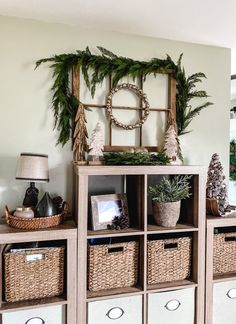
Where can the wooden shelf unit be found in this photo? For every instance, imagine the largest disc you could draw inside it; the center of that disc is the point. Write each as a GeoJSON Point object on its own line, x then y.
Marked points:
{"type": "Point", "coordinates": [134, 181]}
{"type": "Point", "coordinates": [212, 223]}
{"type": "Point", "coordinates": [66, 232]}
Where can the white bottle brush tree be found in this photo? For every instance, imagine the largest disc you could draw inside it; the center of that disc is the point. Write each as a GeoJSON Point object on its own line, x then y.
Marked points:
{"type": "Point", "coordinates": [171, 145]}
{"type": "Point", "coordinates": [216, 185]}
{"type": "Point", "coordinates": [96, 146]}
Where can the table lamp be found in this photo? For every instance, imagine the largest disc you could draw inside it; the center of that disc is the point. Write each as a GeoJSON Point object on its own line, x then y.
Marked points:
{"type": "Point", "coordinates": [32, 167]}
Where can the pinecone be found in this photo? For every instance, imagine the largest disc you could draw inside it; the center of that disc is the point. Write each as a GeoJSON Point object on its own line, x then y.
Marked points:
{"type": "Point", "coordinates": [58, 202]}
{"type": "Point", "coordinates": [119, 222]}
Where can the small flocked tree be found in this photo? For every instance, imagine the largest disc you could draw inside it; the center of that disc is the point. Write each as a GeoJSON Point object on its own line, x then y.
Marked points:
{"type": "Point", "coordinates": [80, 135]}
{"type": "Point", "coordinates": [171, 145]}
{"type": "Point", "coordinates": [216, 185]}
{"type": "Point", "coordinates": [97, 143]}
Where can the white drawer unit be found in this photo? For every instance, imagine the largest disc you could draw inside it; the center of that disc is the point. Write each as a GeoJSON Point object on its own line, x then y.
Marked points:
{"type": "Point", "coordinates": [41, 315]}
{"type": "Point", "coordinates": [172, 307]}
{"type": "Point", "coordinates": [224, 302]}
{"type": "Point", "coordinates": [125, 310]}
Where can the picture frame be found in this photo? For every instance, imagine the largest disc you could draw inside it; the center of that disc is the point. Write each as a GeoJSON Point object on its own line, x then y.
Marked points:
{"type": "Point", "coordinates": [105, 207]}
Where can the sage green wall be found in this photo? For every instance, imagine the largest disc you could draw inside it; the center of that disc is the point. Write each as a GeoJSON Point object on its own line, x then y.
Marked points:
{"type": "Point", "coordinates": [26, 121]}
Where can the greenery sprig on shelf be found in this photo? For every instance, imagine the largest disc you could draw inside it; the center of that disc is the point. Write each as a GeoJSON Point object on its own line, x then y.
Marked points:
{"type": "Point", "coordinates": [171, 189]}
{"type": "Point", "coordinates": [136, 158]}
{"type": "Point", "coordinates": [95, 68]}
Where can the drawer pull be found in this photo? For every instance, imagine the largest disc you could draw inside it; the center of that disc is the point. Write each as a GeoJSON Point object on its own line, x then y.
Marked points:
{"type": "Point", "coordinates": [115, 313]}
{"type": "Point", "coordinates": [231, 293]}
{"type": "Point", "coordinates": [35, 320]}
{"type": "Point", "coordinates": [172, 305]}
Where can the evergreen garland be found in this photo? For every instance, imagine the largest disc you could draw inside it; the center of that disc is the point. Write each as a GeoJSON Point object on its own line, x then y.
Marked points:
{"type": "Point", "coordinates": [95, 68]}
{"type": "Point", "coordinates": [136, 158]}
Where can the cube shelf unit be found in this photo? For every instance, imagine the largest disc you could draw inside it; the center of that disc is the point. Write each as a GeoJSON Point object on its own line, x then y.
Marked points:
{"type": "Point", "coordinates": [66, 232]}
{"type": "Point", "coordinates": [134, 182]}
{"type": "Point", "coordinates": [211, 224]}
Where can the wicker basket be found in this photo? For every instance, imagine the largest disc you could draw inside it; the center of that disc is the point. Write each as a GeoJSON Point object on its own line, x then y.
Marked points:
{"type": "Point", "coordinates": [169, 260]}
{"type": "Point", "coordinates": [224, 253]}
{"type": "Point", "coordinates": [27, 277]}
{"type": "Point", "coordinates": [36, 222]}
{"type": "Point", "coordinates": [112, 265]}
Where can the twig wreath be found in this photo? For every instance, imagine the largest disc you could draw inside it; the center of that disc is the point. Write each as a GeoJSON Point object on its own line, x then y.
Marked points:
{"type": "Point", "coordinates": [95, 68]}
{"type": "Point", "coordinates": [143, 97]}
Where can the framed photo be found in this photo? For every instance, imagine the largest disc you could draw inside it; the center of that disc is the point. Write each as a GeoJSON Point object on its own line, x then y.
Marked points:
{"type": "Point", "coordinates": [106, 207]}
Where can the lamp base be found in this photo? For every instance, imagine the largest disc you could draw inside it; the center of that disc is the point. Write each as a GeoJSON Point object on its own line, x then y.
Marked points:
{"type": "Point", "coordinates": [31, 196]}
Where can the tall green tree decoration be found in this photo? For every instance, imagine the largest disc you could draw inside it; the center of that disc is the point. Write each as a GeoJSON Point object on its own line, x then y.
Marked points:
{"type": "Point", "coordinates": [96, 68]}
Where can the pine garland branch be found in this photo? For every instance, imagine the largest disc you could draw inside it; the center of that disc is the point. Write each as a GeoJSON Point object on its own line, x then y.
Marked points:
{"type": "Point", "coordinates": [128, 158]}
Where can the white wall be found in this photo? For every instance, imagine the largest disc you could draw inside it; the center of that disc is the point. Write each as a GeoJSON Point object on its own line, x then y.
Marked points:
{"type": "Point", "coordinates": [26, 121]}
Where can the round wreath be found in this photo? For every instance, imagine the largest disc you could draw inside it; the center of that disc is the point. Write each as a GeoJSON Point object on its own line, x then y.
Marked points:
{"type": "Point", "coordinates": [140, 93]}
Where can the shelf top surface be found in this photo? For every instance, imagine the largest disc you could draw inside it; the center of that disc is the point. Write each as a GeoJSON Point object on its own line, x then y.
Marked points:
{"type": "Point", "coordinates": [66, 230]}
{"type": "Point", "coordinates": [138, 169]}
{"type": "Point", "coordinates": [218, 221]}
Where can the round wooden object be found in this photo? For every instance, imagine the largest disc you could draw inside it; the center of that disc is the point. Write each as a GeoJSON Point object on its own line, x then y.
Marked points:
{"type": "Point", "coordinates": [140, 93]}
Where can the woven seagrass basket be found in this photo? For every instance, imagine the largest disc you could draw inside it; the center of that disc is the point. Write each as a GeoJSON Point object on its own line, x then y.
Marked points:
{"type": "Point", "coordinates": [28, 276]}
{"type": "Point", "coordinates": [224, 253]}
{"type": "Point", "coordinates": [112, 265]}
{"type": "Point", "coordinates": [36, 222]}
{"type": "Point", "coordinates": [169, 260]}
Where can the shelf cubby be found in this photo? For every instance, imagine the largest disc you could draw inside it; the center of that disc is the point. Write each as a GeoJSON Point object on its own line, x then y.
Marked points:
{"type": "Point", "coordinates": [189, 207]}
{"type": "Point", "coordinates": [139, 286]}
{"type": "Point", "coordinates": [131, 185]}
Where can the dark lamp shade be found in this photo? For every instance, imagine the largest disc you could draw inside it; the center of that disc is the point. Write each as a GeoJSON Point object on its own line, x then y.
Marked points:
{"type": "Point", "coordinates": [32, 167]}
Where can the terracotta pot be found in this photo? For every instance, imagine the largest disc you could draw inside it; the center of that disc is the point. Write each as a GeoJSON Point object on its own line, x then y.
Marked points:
{"type": "Point", "coordinates": [166, 214]}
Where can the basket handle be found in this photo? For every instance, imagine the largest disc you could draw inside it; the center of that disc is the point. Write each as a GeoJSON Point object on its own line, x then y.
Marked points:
{"type": "Point", "coordinates": [115, 249]}
{"type": "Point", "coordinates": [7, 213]}
{"type": "Point", "coordinates": [172, 246]}
{"type": "Point", "coordinates": [230, 237]}
{"type": "Point", "coordinates": [31, 320]}
{"type": "Point", "coordinates": [231, 293]}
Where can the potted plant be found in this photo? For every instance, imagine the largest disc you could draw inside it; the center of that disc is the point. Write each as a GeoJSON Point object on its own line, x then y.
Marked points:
{"type": "Point", "coordinates": [166, 199]}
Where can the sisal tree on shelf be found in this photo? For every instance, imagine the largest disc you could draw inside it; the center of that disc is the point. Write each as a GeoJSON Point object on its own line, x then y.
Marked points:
{"type": "Point", "coordinates": [96, 146]}
{"type": "Point", "coordinates": [216, 187]}
{"type": "Point", "coordinates": [80, 136]}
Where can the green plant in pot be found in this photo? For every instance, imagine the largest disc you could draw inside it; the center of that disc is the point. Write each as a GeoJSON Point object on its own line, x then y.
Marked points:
{"type": "Point", "coordinates": [166, 199]}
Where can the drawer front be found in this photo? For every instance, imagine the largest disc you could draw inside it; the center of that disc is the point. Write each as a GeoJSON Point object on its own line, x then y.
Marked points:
{"type": "Point", "coordinates": [44, 315]}
{"type": "Point", "coordinates": [224, 302]}
{"type": "Point", "coordinates": [172, 307]}
{"type": "Point", "coordinates": [125, 310]}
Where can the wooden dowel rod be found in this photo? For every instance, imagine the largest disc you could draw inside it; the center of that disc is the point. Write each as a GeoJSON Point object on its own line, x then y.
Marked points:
{"type": "Point", "coordinates": [124, 107]}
